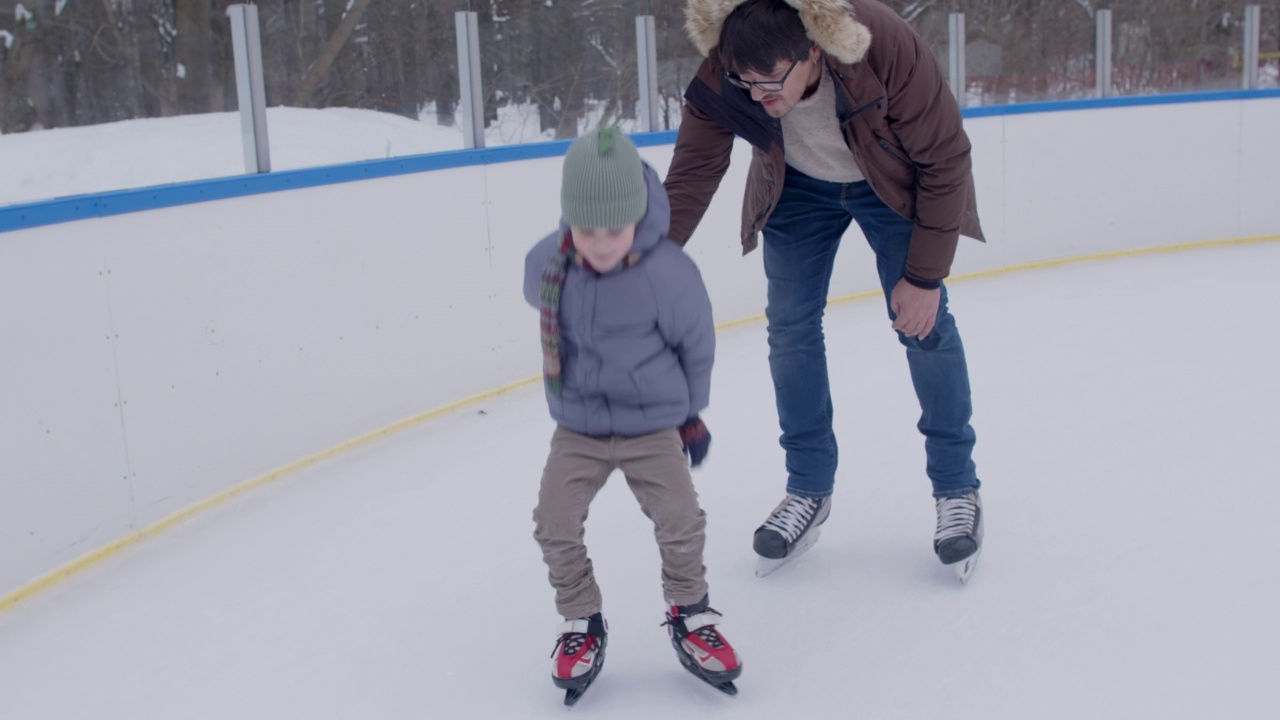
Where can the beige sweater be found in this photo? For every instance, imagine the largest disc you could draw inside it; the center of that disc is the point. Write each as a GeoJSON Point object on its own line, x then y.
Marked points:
{"type": "Point", "coordinates": [813, 141]}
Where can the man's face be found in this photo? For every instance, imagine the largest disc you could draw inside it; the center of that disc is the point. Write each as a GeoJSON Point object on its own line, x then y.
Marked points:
{"type": "Point", "coordinates": [604, 248]}
{"type": "Point", "coordinates": [785, 84]}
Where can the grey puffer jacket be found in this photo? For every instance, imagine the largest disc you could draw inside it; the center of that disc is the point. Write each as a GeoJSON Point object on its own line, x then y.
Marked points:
{"type": "Point", "coordinates": [637, 344]}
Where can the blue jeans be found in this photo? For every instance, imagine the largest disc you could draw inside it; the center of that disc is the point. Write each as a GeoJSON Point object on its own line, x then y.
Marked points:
{"type": "Point", "coordinates": [800, 243]}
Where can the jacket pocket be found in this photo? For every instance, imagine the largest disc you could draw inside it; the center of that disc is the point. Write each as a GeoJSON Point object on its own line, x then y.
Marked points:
{"type": "Point", "coordinates": [895, 153]}
{"type": "Point", "coordinates": [661, 386]}
{"type": "Point", "coordinates": [893, 161]}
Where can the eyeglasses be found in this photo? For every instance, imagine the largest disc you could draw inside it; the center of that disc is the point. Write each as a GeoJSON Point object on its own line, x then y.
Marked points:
{"type": "Point", "coordinates": [762, 85]}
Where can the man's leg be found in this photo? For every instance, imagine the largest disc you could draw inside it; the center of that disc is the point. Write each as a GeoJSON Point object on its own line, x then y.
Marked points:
{"type": "Point", "coordinates": [938, 369]}
{"type": "Point", "coordinates": [800, 244]}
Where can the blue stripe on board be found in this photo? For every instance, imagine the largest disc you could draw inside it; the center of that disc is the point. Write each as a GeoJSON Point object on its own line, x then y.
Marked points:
{"type": "Point", "coordinates": [80, 207]}
{"type": "Point", "coordinates": [1116, 102]}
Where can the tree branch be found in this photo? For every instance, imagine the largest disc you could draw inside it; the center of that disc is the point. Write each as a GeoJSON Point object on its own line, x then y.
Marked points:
{"type": "Point", "coordinates": [302, 96]}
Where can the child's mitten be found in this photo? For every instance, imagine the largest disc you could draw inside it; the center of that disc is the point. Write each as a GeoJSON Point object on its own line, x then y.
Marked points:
{"type": "Point", "coordinates": [696, 439]}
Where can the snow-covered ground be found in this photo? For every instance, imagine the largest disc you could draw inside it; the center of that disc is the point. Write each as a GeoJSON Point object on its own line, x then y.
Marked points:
{"type": "Point", "coordinates": [1125, 418]}
{"type": "Point", "coordinates": [44, 164]}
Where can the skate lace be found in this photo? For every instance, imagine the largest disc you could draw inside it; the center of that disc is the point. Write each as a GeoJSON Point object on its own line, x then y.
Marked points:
{"type": "Point", "coordinates": [792, 518]}
{"type": "Point", "coordinates": [956, 517]}
{"type": "Point", "coordinates": [707, 632]}
{"type": "Point", "coordinates": [710, 636]}
{"type": "Point", "coordinates": [570, 643]}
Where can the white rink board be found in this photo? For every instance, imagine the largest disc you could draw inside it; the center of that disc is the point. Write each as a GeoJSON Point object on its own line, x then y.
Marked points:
{"type": "Point", "coordinates": [157, 359]}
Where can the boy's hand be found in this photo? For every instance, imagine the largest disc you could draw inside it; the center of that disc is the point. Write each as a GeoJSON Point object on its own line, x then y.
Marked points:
{"type": "Point", "coordinates": [696, 439]}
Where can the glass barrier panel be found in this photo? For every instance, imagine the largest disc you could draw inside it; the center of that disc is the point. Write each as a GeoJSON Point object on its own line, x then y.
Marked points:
{"type": "Point", "coordinates": [1269, 47]}
{"type": "Point", "coordinates": [678, 62]}
{"type": "Point", "coordinates": [119, 94]}
{"type": "Point", "coordinates": [353, 80]}
{"type": "Point", "coordinates": [1013, 53]}
{"type": "Point", "coordinates": [113, 95]}
{"type": "Point", "coordinates": [554, 70]}
{"type": "Point", "coordinates": [1046, 53]}
{"type": "Point", "coordinates": [559, 69]}
{"type": "Point", "coordinates": [1171, 46]}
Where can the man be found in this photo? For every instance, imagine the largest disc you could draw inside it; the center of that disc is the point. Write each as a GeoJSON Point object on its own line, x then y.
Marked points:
{"type": "Point", "coordinates": [850, 120]}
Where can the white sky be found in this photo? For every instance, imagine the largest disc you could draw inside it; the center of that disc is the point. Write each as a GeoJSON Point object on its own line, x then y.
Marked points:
{"type": "Point", "coordinates": [1125, 413]}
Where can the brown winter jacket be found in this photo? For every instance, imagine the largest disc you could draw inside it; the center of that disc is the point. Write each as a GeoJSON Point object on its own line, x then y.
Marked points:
{"type": "Point", "coordinates": [900, 120]}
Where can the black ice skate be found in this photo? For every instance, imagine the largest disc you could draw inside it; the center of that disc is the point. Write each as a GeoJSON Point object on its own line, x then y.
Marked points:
{"type": "Point", "coordinates": [792, 528]}
{"type": "Point", "coordinates": [958, 537]}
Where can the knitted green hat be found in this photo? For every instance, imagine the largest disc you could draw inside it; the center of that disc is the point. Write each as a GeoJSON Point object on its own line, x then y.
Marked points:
{"type": "Point", "coordinates": [603, 184]}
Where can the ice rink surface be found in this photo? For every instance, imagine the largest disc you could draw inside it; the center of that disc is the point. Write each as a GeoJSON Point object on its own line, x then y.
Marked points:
{"type": "Point", "coordinates": [1127, 434]}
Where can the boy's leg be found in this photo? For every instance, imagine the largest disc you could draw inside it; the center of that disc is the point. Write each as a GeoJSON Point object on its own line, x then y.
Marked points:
{"type": "Point", "coordinates": [576, 469]}
{"type": "Point", "coordinates": [800, 243]}
{"type": "Point", "coordinates": [658, 474]}
{"type": "Point", "coordinates": [938, 368]}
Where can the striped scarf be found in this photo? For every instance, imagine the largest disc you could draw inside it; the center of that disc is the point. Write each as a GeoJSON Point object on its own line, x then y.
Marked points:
{"type": "Point", "coordinates": [553, 277]}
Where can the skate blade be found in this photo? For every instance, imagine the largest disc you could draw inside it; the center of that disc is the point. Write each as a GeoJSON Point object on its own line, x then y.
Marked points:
{"type": "Point", "coordinates": [767, 566]}
{"type": "Point", "coordinates": [964, 569]}
{"type": "Point", "coordinates": [579, 687]}
{"type": "Point", "coordinates": [572, 695]}
{"type": "Point", "coordinates": [728, 688]}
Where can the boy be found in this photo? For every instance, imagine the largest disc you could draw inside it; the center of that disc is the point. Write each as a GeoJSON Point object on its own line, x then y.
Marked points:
{"type": "Point", "coordinates": [628, 344]}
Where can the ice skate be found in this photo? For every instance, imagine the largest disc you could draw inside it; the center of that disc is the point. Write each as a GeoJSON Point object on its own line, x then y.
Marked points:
{"type": "Point", "coordinates": [791, 529]}
{"type": "Point", "coordinates": [578, 655]}
{"type": "Point", "coordinates": [701, 648]}
{"type": "Point", "coordinates": [958, 537]}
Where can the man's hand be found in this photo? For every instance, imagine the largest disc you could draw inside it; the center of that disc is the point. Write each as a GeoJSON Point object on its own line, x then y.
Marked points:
{"type": "Point", "coordinates": [916, 308]}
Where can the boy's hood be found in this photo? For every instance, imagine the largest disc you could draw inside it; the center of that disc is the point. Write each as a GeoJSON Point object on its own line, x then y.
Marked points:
{"type": "Point", "coordinates": [655, 223]}
{"type": "Point", "coordinates": [830, 23]}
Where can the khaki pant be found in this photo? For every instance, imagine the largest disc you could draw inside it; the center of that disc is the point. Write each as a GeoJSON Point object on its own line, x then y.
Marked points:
{"type": "Point", "coordinates": [657, 472]}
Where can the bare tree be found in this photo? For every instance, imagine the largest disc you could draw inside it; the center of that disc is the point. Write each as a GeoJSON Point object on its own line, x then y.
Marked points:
{"type": "Point", "coordinates": [302, 96]}
{"type": "Point", "coordinates": [195, 88]}
{"type": "Point", "coordinates": [78, 62]}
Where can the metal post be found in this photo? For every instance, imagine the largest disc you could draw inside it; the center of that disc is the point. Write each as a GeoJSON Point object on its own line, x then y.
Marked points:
{"type": "Point", "coordinates": [955, 55]}
{"type": "Point", "coordinates": [1102, 54]}
{"type": "Point", "coordinates": [647, 69]}
{"type": "Point", "coordinates": [472, 103]}
{"type": "Point", "coordinates": [246, 45]}
{"type": "Point", "coordinates": [1252, 31]}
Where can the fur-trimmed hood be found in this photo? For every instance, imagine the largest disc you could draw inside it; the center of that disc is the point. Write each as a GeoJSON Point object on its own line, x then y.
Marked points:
{"type": "Point", "coordinates": [830, 24]}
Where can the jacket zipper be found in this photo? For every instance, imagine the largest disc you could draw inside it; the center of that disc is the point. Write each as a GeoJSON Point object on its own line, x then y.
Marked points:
{"type": "Point", "coordinates": [874, 103]}
{"type": "Point", "coordinates": [889, 149]}
{"type": "Point", "coordinates": [883, 143]}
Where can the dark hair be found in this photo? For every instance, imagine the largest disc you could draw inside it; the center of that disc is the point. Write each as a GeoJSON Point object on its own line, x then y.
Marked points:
{"type": "Point", "coordinates": [760, 33]}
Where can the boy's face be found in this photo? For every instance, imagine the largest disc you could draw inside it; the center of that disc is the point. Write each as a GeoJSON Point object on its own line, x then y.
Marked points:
{"type": "Point", "coordinates": [604, 248]}
{"type": "Point", "coordinates": [794, 77]}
